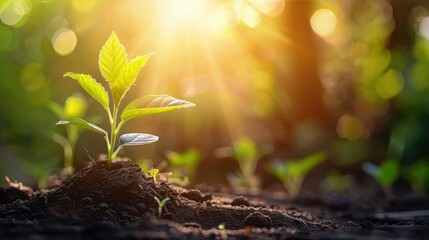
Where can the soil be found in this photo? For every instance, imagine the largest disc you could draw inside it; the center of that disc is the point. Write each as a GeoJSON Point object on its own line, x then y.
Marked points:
{"type": "Point", "coordinates": [118, 202]}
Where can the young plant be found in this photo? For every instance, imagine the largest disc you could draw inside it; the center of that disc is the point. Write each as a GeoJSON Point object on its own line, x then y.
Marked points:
{"type": "Point", "coordinates": [184, 165]}
{"type": "Point", "coordinates": [161, 205]}
{"type": "Point", "coordinates": [41, 170]}
{"type": "Point", "coordinates": [121, 75]}
{"type": "Point", "coordinates": [418, 176]}
{"type": "Point", "coordinates": [385, 174]}
{"type": "Point", "coordinates": [153, 173]}
{"type": "Point", "coordinates": [292, 173]}
{"type": "Point", "coordinates": [245, 151]}
{"type": "Point", "coordinates": [74, 107]}
{"type": "Point", "coordinates": [336, 182]}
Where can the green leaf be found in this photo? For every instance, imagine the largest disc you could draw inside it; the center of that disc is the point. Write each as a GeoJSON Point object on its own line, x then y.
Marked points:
{"type": "Point", "coordinates": [127, 77]}
{"type": "Point", "coordinates": [92, 87]}
{"type": "Point", "coordinates": [245, 149]}
{"type": "Point", "coordinates": [305, 165]}
{"type": "Point", "coordinates": [135, 139]}
{"type": "Point", "coordinates": [83, 124]}
{"type": "Point", "coordinates": [283, 169]}
{"type": "Point", "coordinates": [112, 58]}
{"type": "Point", "coordinates": [152, 104]}
{"type": "Point", "coordinates": [389, 172]}
{"type": "Point", "coordinates": [191, 157]}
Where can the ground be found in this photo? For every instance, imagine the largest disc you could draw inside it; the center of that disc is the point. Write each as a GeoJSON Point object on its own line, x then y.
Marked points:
{"type": "Point", "coordinates": [118, 202]}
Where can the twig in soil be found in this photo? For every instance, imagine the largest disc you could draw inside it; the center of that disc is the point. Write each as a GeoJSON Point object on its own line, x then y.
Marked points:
{"type": "Point", "coordinates": [93, 160]}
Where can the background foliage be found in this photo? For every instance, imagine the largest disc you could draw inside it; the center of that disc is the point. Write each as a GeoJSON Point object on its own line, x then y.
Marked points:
{"type": "Point", "coordinates": [349, 78]}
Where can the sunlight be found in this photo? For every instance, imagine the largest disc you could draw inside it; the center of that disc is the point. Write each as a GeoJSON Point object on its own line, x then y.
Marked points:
{"type": "Point", "coordinates": [184, 11]}
{"type": "Point", "coordinates": [323, 22]}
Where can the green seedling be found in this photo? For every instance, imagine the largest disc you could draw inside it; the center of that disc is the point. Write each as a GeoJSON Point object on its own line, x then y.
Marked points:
{"type": "Point", "coordinates": [386, 174]}
{"type": "Point", "coordinates": [74, 107]}
{"type": "Point", "coordinates": [161, 205]}
{"type": "Point", "coordinates": [41, 171]}
{"type": "Point", "coordinates": [184, 165]}
{"type": "Point", "coordinates": [292, 172]}
{"type": "Point", "coordinates": [153, 173]}
{"type": "Point", "coordinates": [245, 151]}
{"type": "Point", "coordinates": [336, 182]}
{"type": "Point", "coordinates": [418, 176]}
{"type": "Point", "coordinates": [121, 75]}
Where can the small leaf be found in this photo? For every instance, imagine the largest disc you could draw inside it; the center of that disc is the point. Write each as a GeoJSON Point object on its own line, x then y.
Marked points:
{"type": "Point", "coordinates": [134, 139]}
{"type": "Point", "coordinates": [127, 77]}
{"type": "Point", "coordinates": [83, 124]}
{"type": "Point", "coordinates": [153, 104]}
{"type": "Point", "coordinates": [112, 58]}
{"type": "Point", "coordinates": [245, 149]}
{"type": "Point", "coordinates": [306, 164]}
{"type": "Point", "coordinates": [92, 87]}
{"type": "Point", "coordinates": [389, 172]}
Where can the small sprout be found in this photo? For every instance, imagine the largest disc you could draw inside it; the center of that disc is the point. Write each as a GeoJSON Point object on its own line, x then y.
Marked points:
{"type": "Point", "coordinates": [41, 170]}
{"type": "Point", "coordinates": [223, 233]}
{"type": "Point", "coordinates": [385, 174]}
{"type": "Point", "coordinates": [184, 165]}
{"type": "Point", "coordinates": [154, 174]}
{"type": "Point", "coordinates": [292, 173]}
{"type": "Point", "coordinates": [418, 175]}
{"type": "Point", "coordinates": [245, 151]}
{"type": "Point", "coordinates": [121, 74]}
{"type": "Point", "coordinates": [336, 182]}
{"type": "Point", "coordinates": [74, 107]}
{"type": "Point", "coordinates": [161, 205]}
{"type": "Point", "coordinates": [222, 226]}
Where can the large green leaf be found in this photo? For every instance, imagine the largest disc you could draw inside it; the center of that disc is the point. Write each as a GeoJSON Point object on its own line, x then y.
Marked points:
{"type": "Point", "coordinates": [127, 77]}
{"type": "Point", "coordinates": [92, 87]}
{"type": "Point", "coordinates": [153, 104]}
{"type": "Point", "coordinates": [112, 58]}
{"type": "Point", "coordinates": [83, 124]}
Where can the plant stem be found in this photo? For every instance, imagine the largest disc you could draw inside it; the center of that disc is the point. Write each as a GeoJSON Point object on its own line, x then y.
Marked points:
{"type": "Point", "coordinates": [113, 134]}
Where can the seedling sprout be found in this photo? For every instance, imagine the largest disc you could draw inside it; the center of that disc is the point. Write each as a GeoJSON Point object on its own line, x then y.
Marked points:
{"type": "Point", "coordinates": [292, 173]}
{"type": "Point", "coordinates": [121, 75]}
{"type": "Point", "coordinates": [154, 174]}
{"type": "Point", "coordinates": [161, 205]}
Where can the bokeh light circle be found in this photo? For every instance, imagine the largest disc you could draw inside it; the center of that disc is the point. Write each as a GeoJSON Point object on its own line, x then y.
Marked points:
{"type": "Point", "coordinates": [323, 22]}
{"type": "Point", "coordinates": [64, 41]}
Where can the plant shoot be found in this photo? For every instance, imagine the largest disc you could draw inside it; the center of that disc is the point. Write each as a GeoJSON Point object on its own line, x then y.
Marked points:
{"type": "Point", "coordinates": [121, 74]}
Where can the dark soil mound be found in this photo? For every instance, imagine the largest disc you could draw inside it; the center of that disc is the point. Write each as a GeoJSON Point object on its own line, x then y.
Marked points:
{"type": "Point", "coordinates": [118, 202]}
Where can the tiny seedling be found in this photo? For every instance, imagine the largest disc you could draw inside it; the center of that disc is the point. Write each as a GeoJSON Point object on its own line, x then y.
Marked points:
{"type": "Point", "coordinates": [161, 205]}
{"type": "Point", "coordinates": [222, 228]}
{"type": "Point", "coordinates": [418, 176]}
{"type": "Point", "coordinates": [74, 107]}
{"type": "Point", "coordinates": [153, 173]}
{"type": "Point", "coordinates": [121, 75]}
{"type": "Point", "coordinates": [41, 171]}
{"type": "Point", "coordinates": [336, 182]}
{"type": "Point", "coordinates": [184, 165]}
{"type": "Point", "coordinates": [245, 151]}
{"type": "Point", "coordinates": [292, 173]}
{"type": "Point", "coordinates": [385, 174]}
